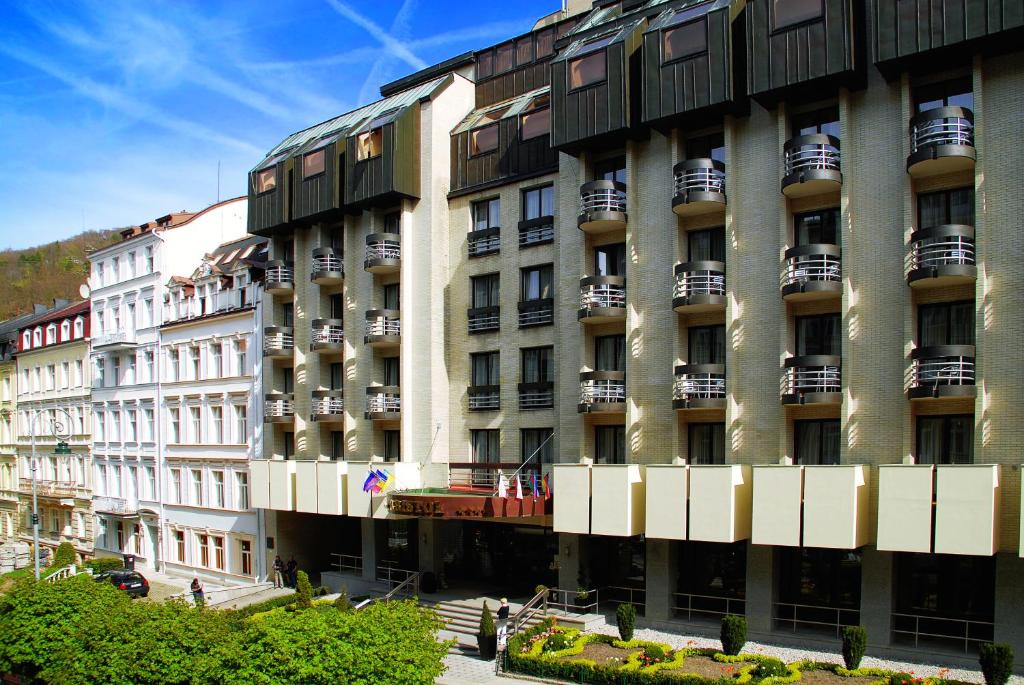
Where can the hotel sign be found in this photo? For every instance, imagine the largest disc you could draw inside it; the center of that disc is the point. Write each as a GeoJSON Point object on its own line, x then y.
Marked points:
{"type": "Point", "coordinates": [428, 505]}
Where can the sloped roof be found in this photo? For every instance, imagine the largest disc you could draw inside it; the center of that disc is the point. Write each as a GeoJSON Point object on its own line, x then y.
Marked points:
{"type": "Point", "coordinates": [515, 106]}
{"type": "Point", "coordinates": [690, 10]}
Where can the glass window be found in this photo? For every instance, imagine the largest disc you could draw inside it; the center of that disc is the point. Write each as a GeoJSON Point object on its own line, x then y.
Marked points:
{"type": "Point", "coordinates": [587, 70]}
{"type": "Point", "coordinates": [485, 368]}
{"type": "Point", "coordinates": [824, 120]}
{"type": "Point", "coordinates": [485, 290]}
{"type": "Point", "coordinates": [818, 335]}
{"type": "Point", "coordinates": [538, 202]}
{"type": "Point", "coordinates": [954, 206]}
{"type": "Point", "coordinates": [610, 444]}
{"type": "Point", "coordinates": [953, 93]}
{"type": "Point", "coordinates": [946, 323]}
{"type": "Point", "coordinates": [337, 372]}
{"type": "Point", "coordinates": [266, 180]}
{"type": "Point", "coordinates": [392, 296]}
{"type": "Point", "coordinates": [706, 344]}
{"type": "Point", "coordinates": [812, 228]}
{"type": "Point", "coordinates": [503, 58]}
{"type": "Point", "coordinates": [524, 50]}
{"type": "Point", "coordinates": [245, 554]}
{"type": "Point", "coordinates": [538, 365]}
{"type": "Point", "coordinates": [337, 446]}
{"type": "Point", "coordinates": [370, 144]}
{"type": "Point", "coordinates": [242, 486]}
{"type": "Point", "coordinates": [819, 577]}
{"type": "Point", "coordinates": [706, 245]}
{"type": "Point", "coordinates": [289, 445]}
{"type": "Point", "coordinates": [684, 41]}
{"type": "Point", "coordinates": [945, 439]}
{"type": "Point", "coordinates": [483, 140]}
{"type": "Point", "coordinates": [536, 283]}
{"type": "Point", "coordinates": [485, 446]}
{"type": "Point", "coordinates": [313, 163]}
{"type": "Point", "coordinates": [392, 371]}
{"type": "Point", "coordinates": [946, 585]}
{"type": "Point", "coordinates": [393, 222]}
{"type": "Point", "coordinates": [392, 445]}
{"type": "Point", "coordinates": [534, 439]}
{"type": "Point", "coordinates": [545, 43]}
{"type": "Point", "coordinates": [816, 442]}
{"type": "Point", "coordinates": [711, 146]}
{"type": "Point", "coordinates": [536, 118]}
{"type": "Point", "coordinates": [611, 170]}
{"type": "Point", "coordinates": [486, 214]}
{"type": "Point", "coordinates": [610, 260]}
{"type": "Point", "coordinates": [484, 65]}
{"type": "Point", "coordinates": [706, 443]}
{"type": "Point", "coordinates": [610, 353]}
{"type": "Point", "coordinates": [786, 13]}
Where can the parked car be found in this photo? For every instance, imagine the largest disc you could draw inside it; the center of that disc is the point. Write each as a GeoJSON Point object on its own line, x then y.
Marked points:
{"type": "Point", "coordinates": [132, 582]}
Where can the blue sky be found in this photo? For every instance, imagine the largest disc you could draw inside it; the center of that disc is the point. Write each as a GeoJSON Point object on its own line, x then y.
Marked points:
{"type": "Point", "coordinates": [113, 113]}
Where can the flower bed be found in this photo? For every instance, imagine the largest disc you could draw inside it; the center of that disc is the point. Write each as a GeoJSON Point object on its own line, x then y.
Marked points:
{"type": "Point", "coordinates": [549, 651]}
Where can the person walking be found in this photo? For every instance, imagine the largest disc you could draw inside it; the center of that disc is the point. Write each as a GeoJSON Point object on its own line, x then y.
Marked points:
{"type": "Point", "coordinates": [197, 592]}
{"type": "Point", "coordinates": [503, 618]}
{"type": "Point", "coordinates": [278, 572]}
{"type": "Point", "coordinates": [292, 569]}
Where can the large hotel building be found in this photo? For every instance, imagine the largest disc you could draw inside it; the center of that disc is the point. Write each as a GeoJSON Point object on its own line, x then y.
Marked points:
{"type": "Point", "coordinates": [736, 277]}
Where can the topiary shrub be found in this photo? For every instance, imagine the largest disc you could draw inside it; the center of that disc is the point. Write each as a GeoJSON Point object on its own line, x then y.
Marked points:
{"type": "Point", "coordinates": [996, 661]}
{"type": "Point", "coordinates": [342, 603]}
{"type": "Point", "coordinates": [770, 668]}
{"type": "Point", "coordinates": [855, 642]}
{"type": "Point", "coordinates": [734, 634]}
{"type": "Point", "coordinates": [655, 652]}
{"type": "Point", "coordinates": [64, 556]}
{"type": "Point", "coordinates": [625, 619]}
{"type": "Point", "coordinates": [557, 643]}
{"type": "Point", "coordinates": [487, 634]}
{"type": "Point", "coordinates": [304, 590]}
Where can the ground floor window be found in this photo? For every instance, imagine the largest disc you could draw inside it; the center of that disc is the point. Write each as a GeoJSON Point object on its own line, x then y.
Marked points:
{"type": "Point", "coordinates": [179, 545]}
{"type": "Point", "coordinates": [245, 552]}
{"type": "Point", "coordinates": [818, 589]}
{"type": "Point", "coordinates": [217, 543]}
{"type": "Point", "coordinates": [610, 444]}
{"type": "Point", "coordinates": [711, 579]}
{"type": "Point", "coordinates": [204, 550]}
{"type": "Point", "coordinates": [617, 568]}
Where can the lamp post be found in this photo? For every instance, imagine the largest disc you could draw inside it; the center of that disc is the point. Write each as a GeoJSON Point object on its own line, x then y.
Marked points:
{"type": "Point", "coordinates": [60, 429]}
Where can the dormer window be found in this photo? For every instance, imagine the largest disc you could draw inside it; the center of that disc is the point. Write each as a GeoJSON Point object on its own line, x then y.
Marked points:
{"type": "Point", "coordinates": [686, 40]}
{"type": "Point", "coordinates": [591, 66]}
{"type": "Point", "coordinates": [313, 163]}
{"type": "Point", "coordinates": [51, 334]}
{"type": "Point", "coordinates": [26, 340]}
{"type": "Point", "coordinates": [370, 144]}
{"type": "Point", "coordinates": [266, 180]}
{"type": "Point", "coordinates": [787, 13]}
{"type": "Point", "coordinates": [37, 337]}
{"type": "Point", "coordinates": [79, 328]}
{"type": "Point", "coordinates": [535, 120]}
{"type": "Point", "coordinates": [484, 138]}
{"type": "Point", "coordinates": [65, 331]}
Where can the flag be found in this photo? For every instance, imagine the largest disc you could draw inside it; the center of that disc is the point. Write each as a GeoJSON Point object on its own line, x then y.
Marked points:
{"type": "Point", "coordinates": [536, 491]}
{"type": "Point", "coordinates": [546, 482]}
{"type": "Point", "coordinates": [383, 481]}
{"type": "Point", "coordinates": [371, 481]}
{"type": "Point", "coordinates": [519, 488]}
{"type": "Point", "coordinates": [502, 485]}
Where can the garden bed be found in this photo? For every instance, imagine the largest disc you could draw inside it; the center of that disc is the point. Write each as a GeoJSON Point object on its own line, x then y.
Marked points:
{"type": "Point", "coordinates": [599, 652]}
{"type": "Point", "coordinates": [707, 667]}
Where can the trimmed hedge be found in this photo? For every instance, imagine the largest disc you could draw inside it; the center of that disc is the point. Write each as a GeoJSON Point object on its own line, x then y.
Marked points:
{"type": "Point", "coordinates": [263, 607]}
{"type": "Point", "coordinates": [625, 619]}
{"type": "Point", "coordinates": [734, 634]}
{"type": "Point", "coordinates": [996, 661]}
{"type": "Point", "coordinates": [855, 643]}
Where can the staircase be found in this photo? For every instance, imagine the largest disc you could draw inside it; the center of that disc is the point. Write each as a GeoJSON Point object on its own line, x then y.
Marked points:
{"type": "Point", "coordinates": [462, 619]}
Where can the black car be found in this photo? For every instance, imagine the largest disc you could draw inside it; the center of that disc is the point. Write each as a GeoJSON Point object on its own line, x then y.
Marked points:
{"type": "Point", "coordinates": [132, 582]}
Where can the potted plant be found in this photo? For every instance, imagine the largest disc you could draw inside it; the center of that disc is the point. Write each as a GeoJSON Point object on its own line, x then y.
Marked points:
{"type": "Point", "coordinates": [487, 634]}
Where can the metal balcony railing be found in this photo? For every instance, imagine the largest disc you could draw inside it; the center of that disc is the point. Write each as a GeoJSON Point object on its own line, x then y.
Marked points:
{"type": "Point", "coordinates": [383, 322]}
{"type": "Point", "coordinates": [327, 264]}
{"type": "Point", "coordinates": [699, 278]}
{"type": "Point", "coordinates": [484, 397]}
{"type": "Point", "coordinates": [965, 634]}
{"type": "Point", "coordinates": [943, 365]}
{"type": "Point", "coordinates": [602, 197]}
{"type": "Point", "coordinates": [486, 475]}
{"type": "Point", "coordinates": [602, 387]}
{"type": "Point", "coordinates": [813, 618]}
{"type": "Point", "coordinates": [814, 152]}
{"type": "Point", "coordinates": [115, 505]}
{"type": "Point", "coordinates": [536, 312]}
{"type": "Point", "coordinates": [700, 179]}
{"type": "Point", "coordinates": [485, 241]}
{"type": "Point", "coordinates": [536, 231]}
{"type": "Point", "coordinates": [536, 395]}
{"type": "Point", "coordinates": [942, 126]}
{"type": "Point", "coordinates": [690, 606]}
{"type": "Point", "coordinates": [383, 399]}
{"type": "Point", "coordinates": [327, 333]}
{"type": "Point", "coordinates": [699, 382]}
{"type": "Point", "coordinates": [483, 319]}
{"type": "Point", "coordinates": [278, 340]}
{"type": "Point", "coordinates": [280, 275]}
{"type": "Point", "coordinates": [216, 303]}
{"type": "Point", "coordinates": [327, 403]}
{"type": "Point", "coordinates": [603, 292]}
{"type": "Point", "coordinates": [941, 246]}
{"type": "Point", "coordinates": [383, 249]}
{"type": "Point", "coordinates": [279, 407]}
{"type": "Point", "coordinates": [812, 374]}
{"type": "Point", "coordinates": [820, 263]}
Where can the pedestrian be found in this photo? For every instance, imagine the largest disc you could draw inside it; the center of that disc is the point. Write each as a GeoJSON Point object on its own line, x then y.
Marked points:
{"type": "Point", "coordinates": [503, 618]}
{"type": "Point", "coordinates": [293, 568]}
{"type": "Point", "coordinates": [278, 572]}
{"type": "Point", "coordinates": [197, 592]}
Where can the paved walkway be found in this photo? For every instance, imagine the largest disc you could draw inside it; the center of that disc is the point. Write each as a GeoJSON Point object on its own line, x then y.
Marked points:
{"type": "Point", "coordinates": [471, 670]}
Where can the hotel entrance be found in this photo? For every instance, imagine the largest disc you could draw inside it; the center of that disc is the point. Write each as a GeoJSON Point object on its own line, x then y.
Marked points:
{"type": "Point", "coordinates": [499, 557]}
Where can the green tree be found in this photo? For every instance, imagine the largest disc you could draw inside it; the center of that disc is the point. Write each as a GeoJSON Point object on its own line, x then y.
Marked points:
{"type": "Point", "coordinates": [64, 556]}
{"type": "Point", "coordinates": [304, 590]}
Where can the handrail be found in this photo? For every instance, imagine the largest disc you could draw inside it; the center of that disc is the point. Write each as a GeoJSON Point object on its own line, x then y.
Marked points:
{"type": "Point", "coordinates": [528, 611]}
{"type": "Point", "coordinates": [350, 562]}
{"type": "Point", "coordinates": [527, 460]}
{"type": "Point", "coordinates": [62, 573]}
{"type": "Point", "coordinates": [561, 600]}
{"type": "Point", "coordinates": [413, 581]}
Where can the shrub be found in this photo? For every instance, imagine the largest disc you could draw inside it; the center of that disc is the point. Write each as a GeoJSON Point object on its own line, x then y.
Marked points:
{"type": "Point", "coordinates": [855, 642]}
{"type": "Point", "coordinates": [770, 668]}
{"type": "Point", "coordinates": [734, 634]}
{"type": "Point", "coordinates": [655, 652]}
{"type": "Point", "coordinates": [321, 591]}
{"type": "Point", "coordinates": [625, 619]}
{"type": "Point", "coordinates": [64, 556]}
{"type": "Point", "coordinates": [104, 564]}
{"type": "Point", "coordinates": [996, 661]}
{"type": "Point", "coordinates": [487, 634]}
{"type": "Point", "coordinates": [304, 590]}
{"type": "Point", "coordinates": [557, 642]}
{"type": "Point", "coordinates": [539, 589]}
{"type": "Point", "coordinates": [342, 603]}
{"type": "Point", "coordinates": [263, 607]}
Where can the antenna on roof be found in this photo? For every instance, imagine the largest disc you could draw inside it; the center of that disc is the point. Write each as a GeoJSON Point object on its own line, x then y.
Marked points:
{"type": "Point", "coordinates": [218, 180]}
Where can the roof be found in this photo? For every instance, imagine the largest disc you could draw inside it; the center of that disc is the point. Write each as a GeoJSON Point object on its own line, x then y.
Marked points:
{"type": "Point", "coordinates": [173, 220]}
{"type": "Point", "coordinates": [243, 252]}
{"type": "Point", "coordinates": [598, 40]}
{"type": "Point", "coordinates": [515, 106]}
{"type": "Point", "coordinates": [690, 10]}
{"type": "Point", "coordinates": [75, 309]}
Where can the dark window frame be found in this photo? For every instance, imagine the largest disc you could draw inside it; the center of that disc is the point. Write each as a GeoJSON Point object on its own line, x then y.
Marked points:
{"type": "Point", "coordinates": [524, 195]}
{"type": "Point", "coordinates": [523, 285]}
{"type": "Point", "coordinates": [949, 319]}
{"type": "Point", "coordinates": [472, 289]}
{"type": "Point", "coordinates": [664, 34]}
{"type": "Point", "coordinates": [947, 196]}
{"type": "Point", "coordinates": [487, 203]}
{"type": "Point", "coordinates": [323, 170]}
{"type": "Point", "coordinates": [690, 337]}
{"type": "Point", "coordinates": [598, 430]}
{"type": "Point", "coordinates": [391, 438]}
{"type": "Point", "coordinates": [796, 330]}
{"type": "Point", "coordinates": [546, 454]}
{"type": "Point", "coordinates": [488, 357]}
{"type": "Point", "coordinates": [474, 148]}
{"type": "Point", "coordinates": [532, 110]}
{"type": "Point", "coordinates": [690, 235]}
{"type": "Point", "coordinates": [692, 428]}
{"type": "Point", "coordinates": [597, 55]}
{"type": "Point", "coordinates": [774, 26]}
{"type": "Point", "coordinates": [797, 217]}
{"type": "Point", "coordinates": [947, 425]}
{"type": "Point", "coordinates": [373, 132]}
{"type": "Point", "coordinates": [802, 424]}
{"type": "Point", "coordinates": [259, 180]}
{"type": "Point", "coordinates": [548, 365]}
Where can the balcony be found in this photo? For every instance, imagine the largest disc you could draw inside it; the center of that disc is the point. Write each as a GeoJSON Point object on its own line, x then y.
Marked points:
{"type": "Point", "coordinates": [484, 319]}
{"type": "Point", "coordinates": [699, 187]}
{"type": "Point", "coordinates": [279, 407]}
{"type": "Point", "coordinates": [942, 256]}
{"type": "Point", "coordinates": [484, 397]}
{"type": "Point", "coordinates": [328, 406]}
{"type": "Point", "coordinates": [383, 328]}
{"type": "Point", "coordinates": [700, 287]}
{"type": "Point", "coordinates": [484, 242]}
{"type": "Point", "coordinates": [811, 165]}
{"type": "Point", "coordinates": [115, 506]}
{"type": "Point", "coordinates": [539, 231]}
{"type": "Point", "coordinates": [536, 312]}
{"type": "Point", "coordinates": [328, 266]}
{"type": "Point", "coordinates": [54, 488]}
{"type": "Point", "coordinates": [602, 207]}
{"type": "Point", "coordinates": [486, 475]}
{"type": "Point", "coordinates": [602, 391]}
{"type": "Point", "coordinates": [704, 502]}
{"type": "Point", "coordinates": [812, 379]}
{"type": "Point", "coordinates": [327, 336]}
{"type": "Point", "coordinates": [383, 253]}
{"type": "Point", "coordinates": [278, 342]}
{"type": "Point", "coordinates": [536, 395]}
{"type": "Point", "coordinates": [230, 300]}
{"type": "Point", "coordinates": [941, 142]}
{"type": "Point", "coordinates": [942, 371]}
{"type": "Point", "coordinates": [280, 277]}
{"type": "Point", "coordinates": [383, 403]}
{"type": "Point", "coordinates": [602, 299]}
{"type": "Point", "coordinates": [812, 272]}
{"type": "Point", "coordinates": [112, 342]}
{"type": "Point", "coordinates": [699, 386]}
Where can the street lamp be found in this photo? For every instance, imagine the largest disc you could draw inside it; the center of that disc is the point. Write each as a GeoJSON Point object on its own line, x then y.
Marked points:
{"type": "Point", "coordinates": [60, 429]}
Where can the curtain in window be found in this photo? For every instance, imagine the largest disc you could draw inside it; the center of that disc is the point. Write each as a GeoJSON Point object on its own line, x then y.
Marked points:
{"type": "Point", "coordinates": [961, 323]}
{"type": "Point", "coordinates": [391, 297]}
{"type": "Point", "coordinates": [707, 245]}
{"type": "Point", "coordinates": [946, 324]}
{"type": "Point", "coordinates": [818, 335]}
{"type": "Point", "coordinates": [610, 260]}
{"type": "Point", "coordinates": [392, 371]}
{"type": "Point", "coordinates": [337, 376]}
{"type": "Point", "coordinates": [818, 227]}
{"type": "Point", "coordinates": [485, 291]}
{"type": "Point", "coordinates": [610, 353]}
{"type": "Point", "coordinates": [707, 443]}
{"type": "Point", "coordinates": [485, 369]}
{"type": "Point", "coordinates": [830, 441]}
{"type": "Point", "coordinates": [961, 440]}
{"type": "Point", "coordinates": [532, 439]}
{"type": "Point", "coordinates": [610, 444]}
{"type": "Point", "coordinates": [707, 345]}
{"type": "Point", "coordinates": [537, 365]}
{"type": "Point", "coordinates": [961, 206]}
{"type": "Point", "coordinates": [611, 170]}
{"type": "Point", "coordinates": [929, 440]}
{"type": "Point", "coordinates": [485, 446]}
{"type": "Point", "coordinates": [537, 284]}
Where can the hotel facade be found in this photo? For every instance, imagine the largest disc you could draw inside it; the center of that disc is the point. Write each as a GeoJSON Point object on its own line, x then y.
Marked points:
{"type": "Point", "coordinates": [737, 277]}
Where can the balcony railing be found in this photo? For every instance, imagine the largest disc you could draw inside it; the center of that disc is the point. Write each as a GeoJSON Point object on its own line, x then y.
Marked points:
{"type": "Point", "coordinates": [484, 241]}
{"type": "Point", "coordinates": [484, 319]}
{"type": "Point", "coordinates": [485, 475]}
{"type": "Point", "coordinates": [689, 607]}
{"type": "Point", "coordinates": [941, 140]}
{"type": "Point", "coordinates": [699, 386]}
{"type": "Point", "coordinates": [216, 303]}
{"type": "Point", "coordinates": [810, 618]}
{"type": "Point", "coordinates": [536, 231]}
{"type": "Point", "coordinates": [602, 298]}
{"type": "Point", "coordinates": [279, 407]}
{"type": "Point", "coordinates": [699, 186]}
{"type": "Point", "coordinates": [811, 165]}
{"type": "Point", "coordinates": [939, 631]}
{"type": "Point", "coordinates": [327, 335]}
{"type": "Point", "coordinates": [383, 252]}
{"type": "Point", "coordinates": [383, 402]}
{"type": "Point", "coordinates": [327, 405]}
{"type": "Point", "coordinates": [946, 370]}
{"type": "Point", "coordinates": [944, 253]}
{"type": "Point", "coordinates": [278, 341]}
{"type": "Point", "coordinates": [328, 266]}
{"type": "Point", "coordinates": [484, 397]}
{"type": "Point", "coordinates": [536, 312]}
{"type": "Point", "coordinates": [280, 276]}
{"type": "Point", "coordinates": [700, 286]}
{"type": "Point", "coordinates": [115, 340]}
{"type": "Point", "coordinates": [602, 206]}
{"type": "Point", "coordinates": [812, 379]}
{"type": "Point", "coordinates": [383, 326]}
{"type": "Point", "coordinates": [536, 395]}
{"type": "Point", "coordinates": [115, 505]}
{"type": "Point", "coordinates": [52, 488]}
{"type": "Point", "coordinates": [602, 391]}
{"type": "Point", "coordinates": [812, 271]}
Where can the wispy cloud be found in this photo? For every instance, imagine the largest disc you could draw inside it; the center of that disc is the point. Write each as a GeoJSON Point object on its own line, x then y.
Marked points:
{"type": "Point", "coordinates": [390, 43]}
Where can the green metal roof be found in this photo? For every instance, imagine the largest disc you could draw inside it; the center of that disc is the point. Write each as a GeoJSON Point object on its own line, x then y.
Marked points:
{"type": "Point", "coordinates": [686, 12]}
{"type": "Point", "coordinates": [515, 106]}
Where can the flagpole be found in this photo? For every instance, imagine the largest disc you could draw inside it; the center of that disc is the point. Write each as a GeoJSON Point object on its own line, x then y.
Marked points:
{"type": "Point", "coordinates": [515, 474]}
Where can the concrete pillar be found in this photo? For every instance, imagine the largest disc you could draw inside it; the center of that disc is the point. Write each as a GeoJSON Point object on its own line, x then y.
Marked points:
{"type": "Point", "coordinates": [429, 545]}
{"type": "Point", "coordinates": [569, 553]}
{"type": "Point", "coordinates": [369, 540]}
{"type": "Point", "coordinates": [661, 579]}
{"type": "Point", "coordinates": [1010, 605]}
{"type": "Point", "coordinates": [760, 588]}
{"type": "Point", "coordinates": [876, 595]}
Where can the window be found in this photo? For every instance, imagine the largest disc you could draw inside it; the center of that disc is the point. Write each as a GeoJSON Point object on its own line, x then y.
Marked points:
{"type": "Point", "coordinates": [706, 344]}
{"type": "Point", "coordinates": [587, 70]}
{"type": "Point", "coordinates": [218, 488]}
{"type": "Point", "coordinates": [65, 330]}
{"type": "Point", "coordinates": [37, 337]}
{"type": "Point", "coordinates": [484, 65]}
{"type": "Point", "coordinates": [535, 121]}
{"type": "Point", "coordinates": [150, 426]}
{"type": "Point", "coordinates": [786, 13]}
{"type": "Point", "coordinates": [945, 207]}
{"type": "Point", "coordinates": [204, 549]}
{"type": "Point", "coordinates": [241, 346]}
{"type": "Point", "coordinates": [337, 446]}
{"type": "Point", "coordinates": [148, 262]}
{"type": "Point", "coordinates": [131, 265]}
{"type": "Point", "coordinates": [241, 424]}
{"type": "Point", "coordinates": [706, 245]}
{"type": "Point", "coordinates": [945, 439]}
{"type": "Point", "coordinates": [313, 163]}
{"type": "Point", "coordinates": [683, 41]}
{"type": "Point", "coordinates": [812, 228]}
{"type": "Point", "coordinates": [533, 439]}
{"type": "Point", "coordinates": [132, 425]}
{"type": "Point", "coordinates": [179, 544]}
{"type": "Point", "coordinates": [610, 260]}
{"type": "Point", "coordinates": [245, 554]}
{"type": "Point", "coordinates": [818, 335]}
{"type": "Point", "coordinates": [174, 425]}
{"type": "Point", "coordinates": [392, 445]}
{"type": "Point", "coordinates": [194, 361]}
{"type": "Point", "coordinates": [129, 375]}
{"type": "Point", "coordinates": [289, 445]}
{"type": "Point", "coordinates": [485, 291]}
{"type": "Point", "coordinates": [147, 366]}
{"type": "Point", "coordinates": [524, 50]}
{"type": "Point", "coordinates": [503, 58]}
{"type": "Point", "coordinates": [79, 328]}
{"type": "Point", "coordinates": [337, 372]}
{"type": "Point", "coordinates": [176, 486]}
{"type": "Point", "coordinates": [392, 371]}
{"type": "Point", "coordinates": [216, 425]}
{"type": "Point", "coordinates": [824, 120]}
{"type": "Point", "coordinates": [947, 323]}
{"type": "Point", "coordinates": [538, 365]}
{"type": "Point", "coordinates": [150, 492]}
{"type": "Point", "coordinates": [485, 446]}
{"type": "Point", "coordinates": [266, 180]}
{"type": "Point", "coordinates": [538, 202]}
{"type": "Point", "coordinates": [115, 426]}
{"type": "Point", "coordinates": [536, 283]}
{"type": "Point", "coordinates": [116, 361]}
{"type": "Point", "coordinates": [115, 269]}
{"type": "Point", "coordinates": [242, 488]}
{"type": "Point", "coordinates": [954, 93]}
{"type": "Point", "coordinates": [610, 353]}
{"type": "Point", "coordinates": [613, 169]}
{"type": "Point", "coordinates": [173, 357]}
{"type": "Point", "coordinates": [610, 444]}
{"type": "Point", "coordinates": [486, 214]}
{"type": "Point", "coordinates": [216, 360]}
{"type": "Point", "coordinates": [545, 43]}
{"type": "Point", "coordinates": [485, 369]}
{"type": "Point", "coordinates": [196, 481]}
{"type": "Point", "coordinates": [370, 144]}
{"type": "Point", "coordinates": [483, 140]}
{"type": "Point", "coordinates": [706, 443]}
{"type": "Point", "coordinates": [147, 313]}
{"type": "Point", "coordinates": [816, 442]}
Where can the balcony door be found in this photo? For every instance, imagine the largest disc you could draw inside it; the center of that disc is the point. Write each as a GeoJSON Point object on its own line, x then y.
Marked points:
{"type": "Point", "coordinates": [818, 335]}
{"type": "Point", "coordinates": [610, 170]}
{"type": "Point", "coordinates": [392, 296]}
{"type": "Point", "coordinates": [825, 120]}
{"type": "Point", "coordinates": [945, 439]}
{"type": "Point", "coordinates": [953, 93]}
{"type": "Point", "coordinates": [610, 353]}
{"type": "Point", "coordinates": [392, 371]}
{"type": "Point", "coordinates": [711, 146]}
{"type": "Point", "coordinates": [706, 245]}
{"type": "Point", "coordinates": [955, 206]}
{"type": "Point", "coordinates": [816, 442]}
{"type": "Point", "coordinates": [706, 344]}
{"type": "Point", "coordinates": [946, 323]}
{"type": "Point", "coordinates": [706, 443]}
{"type": "Point", "coordinates": [610, 444]}
{"type": "Point", "coordinates": [816, 228]}
{"type": "Point", "coordinates": [610, 260]}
